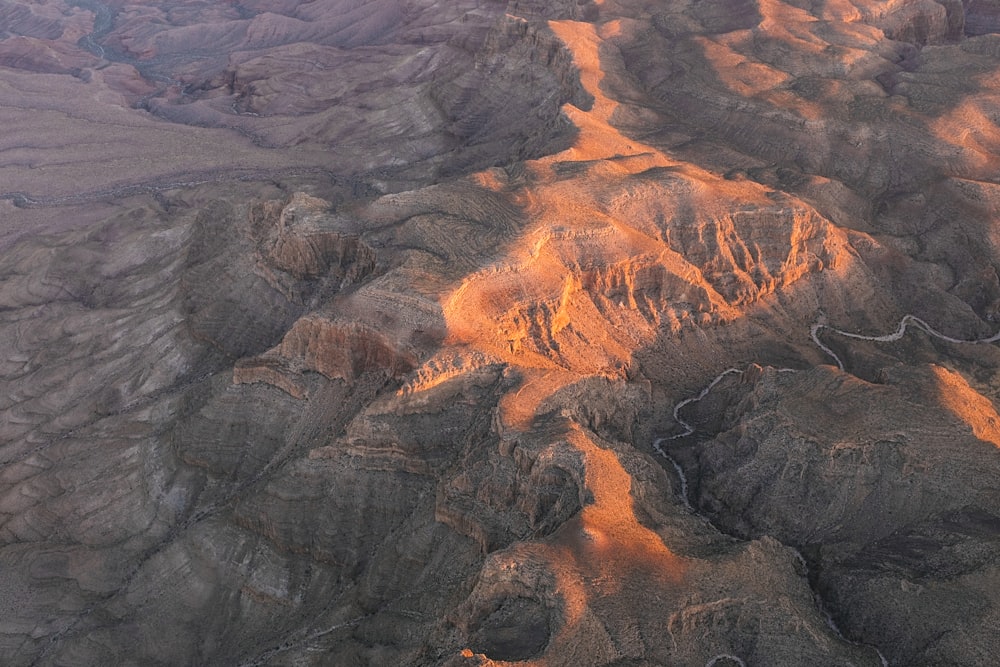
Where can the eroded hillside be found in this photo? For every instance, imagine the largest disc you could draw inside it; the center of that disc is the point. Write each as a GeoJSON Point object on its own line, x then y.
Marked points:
{"type": "Point", "coordinates": [472, 333]}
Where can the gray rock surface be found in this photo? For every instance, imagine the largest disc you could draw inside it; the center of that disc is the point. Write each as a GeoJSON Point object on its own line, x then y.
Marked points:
{"type": "Point", "coordinates": [340, 333]}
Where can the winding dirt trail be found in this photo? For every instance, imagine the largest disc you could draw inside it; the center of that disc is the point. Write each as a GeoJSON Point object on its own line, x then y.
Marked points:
{"type": "Point", "coordinates": [688, 428]}
{"type": "Point", "coordinates": [677, 467]}
{"type": "Point", "coordinates": [814, 332]}
{"type": "Point", "coordinates": [894, 336]}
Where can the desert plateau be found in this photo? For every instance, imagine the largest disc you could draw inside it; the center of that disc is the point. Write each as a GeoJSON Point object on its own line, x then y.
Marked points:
{"type": "Point", "coordinates": [468, 333]}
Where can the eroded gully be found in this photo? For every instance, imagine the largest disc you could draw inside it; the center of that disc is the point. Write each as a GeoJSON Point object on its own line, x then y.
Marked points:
{"type": "Point", "coordinates": [814, 333]}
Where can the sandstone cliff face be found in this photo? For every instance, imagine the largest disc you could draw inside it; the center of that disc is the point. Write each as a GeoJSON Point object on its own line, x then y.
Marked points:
{"type": "Point", "coordinates": [499, 333]}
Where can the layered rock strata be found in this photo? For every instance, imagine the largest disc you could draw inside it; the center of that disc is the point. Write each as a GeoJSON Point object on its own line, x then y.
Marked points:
{"type": "Point", "coordinates": [488, 334]}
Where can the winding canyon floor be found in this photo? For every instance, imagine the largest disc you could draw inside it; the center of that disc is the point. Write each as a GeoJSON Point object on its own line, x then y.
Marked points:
{"type": "Point", "coordinates": [381, 332]}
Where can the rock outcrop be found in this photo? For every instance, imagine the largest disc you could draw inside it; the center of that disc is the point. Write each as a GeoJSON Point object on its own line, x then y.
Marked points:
{"type": "Point", "coordinates": [885, 486]}
{"type": "Point", "coordinates": [540, 333]}
{"type": "Point", "coordinates": [297, 238]}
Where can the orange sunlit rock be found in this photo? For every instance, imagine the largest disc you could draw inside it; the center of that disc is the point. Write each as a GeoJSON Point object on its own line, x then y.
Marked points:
{"type": "Point", "coordinates": [519, 408]}
{"type": "Point", "coordinates": [971, 130]}
{"type": "Point", "coordinates": [968, 405]}
{"type": "Point", "coordinates": [499, 333]}
{"type": "Point", "coordinates": [611, 545]}
{"type": "Point", "coordinates": [597, 137]}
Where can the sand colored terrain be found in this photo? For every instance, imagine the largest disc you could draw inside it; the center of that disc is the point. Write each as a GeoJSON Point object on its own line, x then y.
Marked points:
{"type": "Point", "coordinates": [342, 333]}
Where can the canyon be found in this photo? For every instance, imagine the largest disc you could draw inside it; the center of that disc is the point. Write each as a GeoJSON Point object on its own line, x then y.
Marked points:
{"type": "Point", "coordinates": [584, 332]}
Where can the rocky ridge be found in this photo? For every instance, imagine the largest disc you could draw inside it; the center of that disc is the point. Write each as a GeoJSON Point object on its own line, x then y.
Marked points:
{"type": "Point", "coordinates": [383, 385]}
